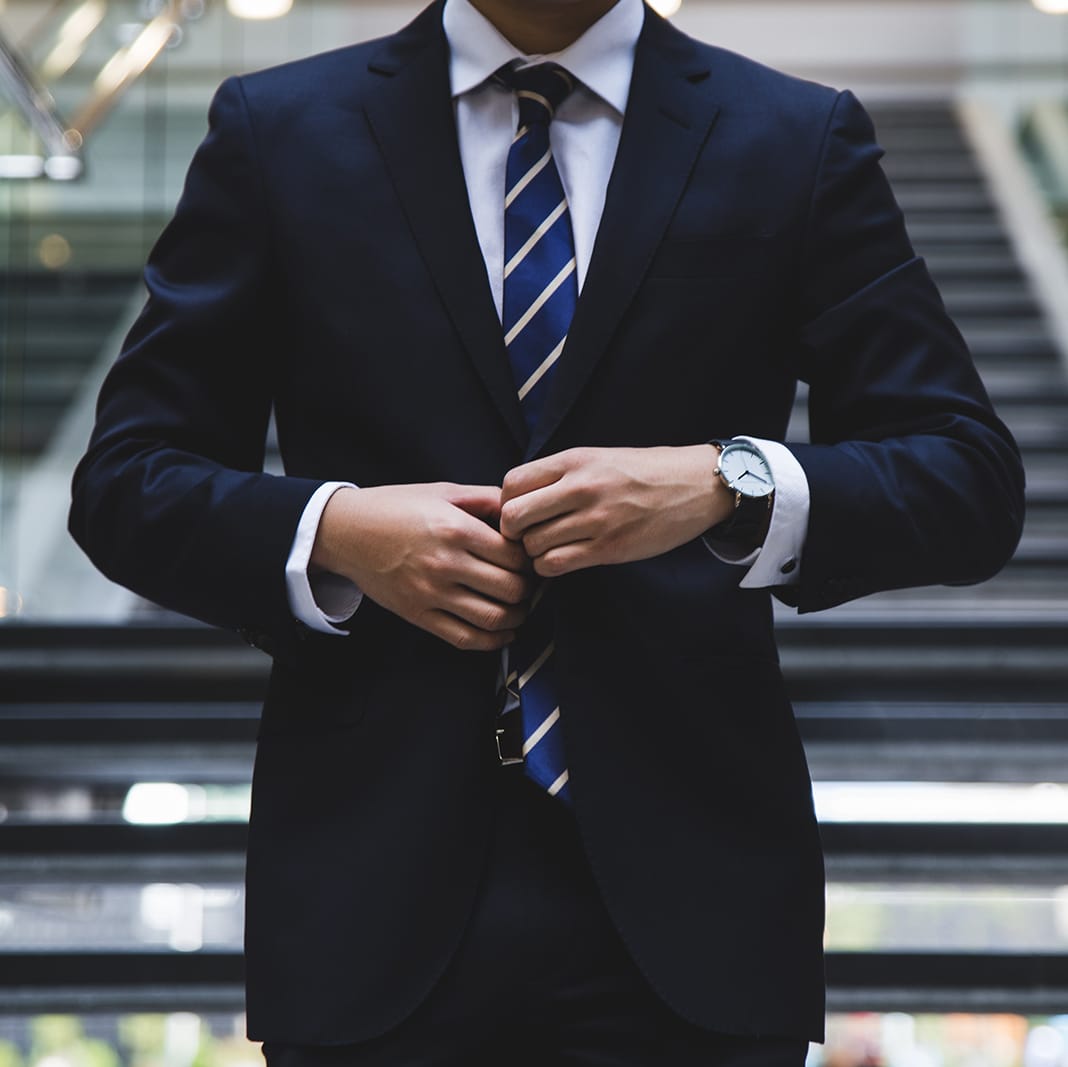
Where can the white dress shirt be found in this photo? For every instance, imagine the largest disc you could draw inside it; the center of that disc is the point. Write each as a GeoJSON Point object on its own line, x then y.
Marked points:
{"type": "Point", "coordinates": [585, 135]}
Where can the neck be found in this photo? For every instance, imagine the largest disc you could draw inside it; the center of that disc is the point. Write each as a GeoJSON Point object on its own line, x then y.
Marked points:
{"type": "Point", "coordinates": [541, 27]}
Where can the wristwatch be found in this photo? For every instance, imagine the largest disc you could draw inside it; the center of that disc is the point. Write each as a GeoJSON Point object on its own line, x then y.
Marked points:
{"type": "Point", "coordinates": [747, 474]}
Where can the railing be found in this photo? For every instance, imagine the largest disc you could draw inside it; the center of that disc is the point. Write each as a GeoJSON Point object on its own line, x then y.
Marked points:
{"type": "Point", "coordinates": [32, 71]}
{"type": "Point", "coordinates": [89, 715]}
{"type": "Point", "coordinates": [1044, 136]}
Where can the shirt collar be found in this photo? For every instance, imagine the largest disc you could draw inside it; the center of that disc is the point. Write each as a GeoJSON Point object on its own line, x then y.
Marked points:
{"type": "Point", "coordinates": [602, 58]}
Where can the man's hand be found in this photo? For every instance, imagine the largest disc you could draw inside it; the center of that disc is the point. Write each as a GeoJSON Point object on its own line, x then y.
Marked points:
{"type": "Point", "coordinates": [591, 506]}
{"type": "Point", "coordinates": [429, 554]}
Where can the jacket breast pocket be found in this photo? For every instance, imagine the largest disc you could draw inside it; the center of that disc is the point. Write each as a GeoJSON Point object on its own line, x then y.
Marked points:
{"type": "Point", "coordinates": [712, 257]}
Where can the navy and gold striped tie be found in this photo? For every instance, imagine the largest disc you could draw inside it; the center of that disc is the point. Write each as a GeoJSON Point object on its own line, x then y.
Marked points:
{"type": "Point", "coordinates": [540, 294]}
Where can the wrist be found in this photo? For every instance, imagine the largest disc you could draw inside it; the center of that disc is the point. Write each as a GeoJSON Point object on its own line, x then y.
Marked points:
{"type": "Point", "coordinates": [713, 502]}
{"type": "Point", "coordinates": [335, 527]}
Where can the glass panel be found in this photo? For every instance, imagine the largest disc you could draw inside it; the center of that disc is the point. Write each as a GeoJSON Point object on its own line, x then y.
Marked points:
{"type": "Point", "coordinates": [160, 802]}
{"type": "Point", "coordinates": [82, 917]}
{"type": "Point", "coordinates": [142, 803]}
{"type": "Point", "coordinates": [941, 802]}
{"type": "Point", "coordinates": [909, 917]}
{"type": "Point", "coordinates": [900, 1040]}
{"type": "Point", "coordinates": [860, 1040]}
{"type": "Point", "coordinates": [177, 1040]}
{"type": "Point", "coordinates": [128, 916]}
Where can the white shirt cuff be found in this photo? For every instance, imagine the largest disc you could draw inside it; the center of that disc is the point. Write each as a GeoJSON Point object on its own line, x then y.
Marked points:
{"type": "Point", "coordinates": [323, 599]}
{"type": "Point", "coordinates": [778, 561]}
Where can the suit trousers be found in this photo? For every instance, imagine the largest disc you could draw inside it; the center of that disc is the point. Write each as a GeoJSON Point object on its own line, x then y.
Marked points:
{"type": "Point", "coordinates": [541, 976]}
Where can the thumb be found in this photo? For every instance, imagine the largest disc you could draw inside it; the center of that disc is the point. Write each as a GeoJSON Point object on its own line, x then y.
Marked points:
{"type": "Point", "coordinates": [481, 501]}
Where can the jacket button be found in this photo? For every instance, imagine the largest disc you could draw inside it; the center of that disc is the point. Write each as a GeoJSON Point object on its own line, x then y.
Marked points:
{"type": "Point", "coordinates": [789, 566]}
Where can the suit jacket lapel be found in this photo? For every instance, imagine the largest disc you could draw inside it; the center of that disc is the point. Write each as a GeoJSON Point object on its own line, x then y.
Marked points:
{"type": "Point", "coordinates": [668, 120]}
{"type": "Point", "coordinates": [415, 127]}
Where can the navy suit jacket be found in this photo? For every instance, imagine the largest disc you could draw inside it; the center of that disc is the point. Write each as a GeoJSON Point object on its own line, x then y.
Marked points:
{"type": "Point", "coordinates": [323, 260]}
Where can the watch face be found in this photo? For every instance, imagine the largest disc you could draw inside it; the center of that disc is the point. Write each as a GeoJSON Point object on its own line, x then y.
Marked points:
{"type": "Point", "coordinates": [746, 471]}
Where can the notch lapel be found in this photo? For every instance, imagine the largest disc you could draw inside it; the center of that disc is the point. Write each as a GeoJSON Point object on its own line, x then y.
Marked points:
{"type": "Point", "coordinates": [668, 120]}
{"type": "Point", "coordinates": [413, 122]}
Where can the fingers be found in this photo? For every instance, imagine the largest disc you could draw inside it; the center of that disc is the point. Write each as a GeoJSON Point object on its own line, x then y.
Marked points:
{"type": "Point", "coordinates": [537, 507]}
{"type": "Point", "coordinates": [491, 581]}
{"type": "Point", "coordinates": [547, 489]}
{"type": "Point", "coordinates": [540, 473]}
{"type": "Point", "coordinates": [571, 557]}
{"type": "Point", "coordinates": [463, 635]}
{"type": "Point", "coordinates": [481, 501]}
{"type": "Point", "coordinates": [485, 543]}
{"type": "Point", "coordinates": [484, 614]}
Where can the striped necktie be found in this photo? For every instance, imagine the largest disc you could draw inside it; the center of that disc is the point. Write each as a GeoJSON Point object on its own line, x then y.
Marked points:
{"type": "Point", "coordinates": [540, 294]}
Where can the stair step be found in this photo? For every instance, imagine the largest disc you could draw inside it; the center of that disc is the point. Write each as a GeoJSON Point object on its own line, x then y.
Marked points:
{"type": "Point", "coordinates": [59, 310]}
{"type": "Point", "coordinates": [1036, 426]}
{"type": "Point", "coordinates": [922, 144]}
{"type": "Point", "coordinates": [48, 386]}
{"type": "Point", "coordinates": [1015, 597]}
{"type": "Point", "coordinates": [128, 722]}
{"type": "Point", "coordinates": [29, 284]}
{"type": "Point", "coordinates": [1027, 383]}
{"type": "Point", "coordinates": [1047, 479]}
{"type": "Point", "coordinates": [1047, 517]}
{"type": "Point", "coordinates": [1047, 548]}
{"type": "Point", "coordinates": [65, 333]}
{"type": "Point", "coordinates": [949, 199]}
{"type": "Point", "coordinates": [73, 347]}
{"type": "Point", "coordinates": [1014, 333]}
{"type": "Point", "coordinates": [903, 168]}
{"type": "Point", "coordinates": [1007, 346]}
{"type": "Point", "coordinates": [985, 300]}
{"type": "Point", "coordinates": [956, 265]}
{"type": "Point", "coordinates": [916, 119]}
{"type": "Point", "coordinates": [939, 233]}
{"type": "Point", "coordinates": [126, 663]}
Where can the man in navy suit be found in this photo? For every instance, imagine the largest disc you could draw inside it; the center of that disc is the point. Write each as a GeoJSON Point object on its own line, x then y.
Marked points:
{"type": "Point", "coordinates": [345, 253]}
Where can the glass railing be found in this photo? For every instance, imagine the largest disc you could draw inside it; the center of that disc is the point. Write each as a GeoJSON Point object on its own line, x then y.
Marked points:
{"type": "Point", "coordinates": [1043, 132]}
{"type": "Point", "coordinates": [198, 1039]}
{"type": "Point", "coordinates": [127, 907]}
{"type": "Point", "coordinates": [127, 84]}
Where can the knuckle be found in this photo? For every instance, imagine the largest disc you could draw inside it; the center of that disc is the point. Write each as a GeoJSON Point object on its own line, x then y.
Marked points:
{"type": "Point", "coordinates": [585, 489]}
{"type": "Point", "coordinates": [515, 589]}
{"type": "Point", "coordinates": [601, 517]}
{"type": "Point", "coordinates": [435, 566]}
{"type": "Point", "coordinates": [491, 617]}
{"type": "Point", "coordinates": [450, 532]}
{"type": "Point", "coordinates": [509, 515]}
{"type": "Point", "coordinates": [462, 639]}
{"type": "Point", "coordinates": [549, 566]}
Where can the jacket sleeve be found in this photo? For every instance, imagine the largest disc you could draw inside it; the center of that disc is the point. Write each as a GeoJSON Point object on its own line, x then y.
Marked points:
{"type": "Point", "coordinates": [170, 499]}
{"type": "Point", "coordinates": [913, 478]}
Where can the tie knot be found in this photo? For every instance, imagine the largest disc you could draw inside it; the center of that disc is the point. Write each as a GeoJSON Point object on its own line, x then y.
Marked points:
{"type": "Point", "coordinates": [540, 90]}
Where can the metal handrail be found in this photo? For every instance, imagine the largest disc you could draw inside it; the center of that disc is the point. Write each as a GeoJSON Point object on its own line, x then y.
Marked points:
{"type": "Point", "coordinates": [63, 142]}
{"type": "Point", "coordinates": [62, 159]}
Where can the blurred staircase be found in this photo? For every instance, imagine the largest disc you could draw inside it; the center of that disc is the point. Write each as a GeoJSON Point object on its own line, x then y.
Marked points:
{"type": "Point", "coordinates": [57, 313]}
{"type": "Point", "coordinates": [955, 226]}
{"type": "Point", "coordinates": [940, 685]}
